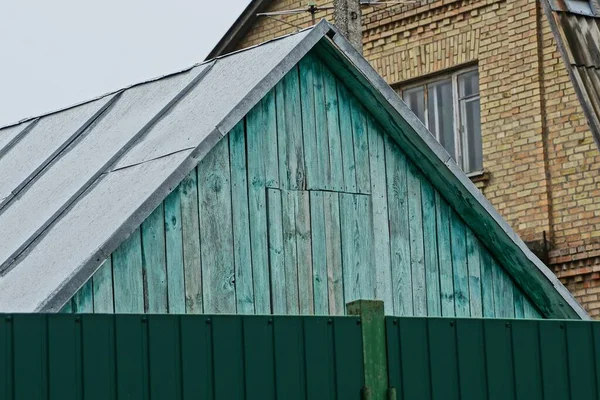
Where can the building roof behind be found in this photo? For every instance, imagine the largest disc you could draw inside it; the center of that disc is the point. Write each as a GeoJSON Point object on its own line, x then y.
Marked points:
{"type": "Point", "coordinates": [576, 28]}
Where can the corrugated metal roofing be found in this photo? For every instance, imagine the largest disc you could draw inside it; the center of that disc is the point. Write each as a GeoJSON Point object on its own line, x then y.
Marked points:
{"type": "Point", "coordinates": [70, 181]}
{"type": "Point", "coordinates": [76, 183]}
{"type": "Point", "coordinates": [578, 38]}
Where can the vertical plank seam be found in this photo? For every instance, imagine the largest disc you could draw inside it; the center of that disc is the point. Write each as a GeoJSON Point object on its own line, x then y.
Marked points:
{"type": "Point", "coordinates": [305, 168]}
{"type": "Point", "coordinates": [248, 189]}
{"type": "Point", "coordinates": [199, 235]}
{"type": "Point", "coordinates": [231, 202]}
{"type": "Point", "coordinates": [164, 222]}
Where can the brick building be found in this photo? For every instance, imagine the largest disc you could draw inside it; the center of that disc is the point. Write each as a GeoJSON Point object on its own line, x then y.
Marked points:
{"type": "Point", "coordinates": [487, 78]}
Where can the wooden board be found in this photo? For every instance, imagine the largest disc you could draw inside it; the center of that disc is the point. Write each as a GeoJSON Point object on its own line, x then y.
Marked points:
{"type": "Point", "coordinates": [241, 222]}
{"type": "Point", "coordinates": [83, 301]}
{"type": "Point", "coordinates": [102, 283]}
{"type": "Point", "coordinates": [276, 252]}
{"type": "Point", "coordinates": [333, 243]}
{"type": "Point", "coordinates": [473, 263]}
{"type": "Point", "coordinates": [487, 284]}
{"type": "Point", "coordinates": [154, 263]}
{"type": "Point", "coordinates": [380, 220]}
{"type": "Point", "coordinates": [459, 266]}
{"type": "Point", "coordinates": [417, 252]}
{"type": "Point", "coordinates": [397, 192]}
{"type": "Point", "coordinates": [430, 246]}
{"type": "Point", "coordinates": [333, 130]}
{"type": "Point", "coordinates": [355, 218]}
{"type": "Point", "coordinates": [347, 139]}
{"type": "Point", "coordinates": [288, 208]}
{"type": "Point", "coordinates": [216, 231]}
{"type": "Point", "coordinates": [309, 128]}
{"type": "Point", "coordinates": [304, 253]}
{"type": "Point", "coordinates": [445, 256]}
{"type": "Point", "coordinates": [174, 255]}
{"type": "Point", "coordinates": [255, 137]}
{"type": "Point", "coordinates": [361, 146]}
{"type": "Point", "coordinates": [319, 253]}
{"type": "Point", "coordinates": [128, 282]}
{"type": "Point", "coordinates": [192, 265]}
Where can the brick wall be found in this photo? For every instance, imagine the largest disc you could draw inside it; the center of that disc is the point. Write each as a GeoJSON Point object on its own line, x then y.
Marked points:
{"type": "Point", "coordinates": [540, 159]}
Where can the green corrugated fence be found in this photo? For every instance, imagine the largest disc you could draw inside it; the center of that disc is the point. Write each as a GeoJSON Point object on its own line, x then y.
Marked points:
{"type": "Point", "coordinates": [179, 357]}
{"type": "Point", "coordinates": [442, 358]}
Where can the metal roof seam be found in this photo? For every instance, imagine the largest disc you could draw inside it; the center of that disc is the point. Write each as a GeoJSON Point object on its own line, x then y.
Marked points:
{"type": "Point", "coordinates": [18, 137]}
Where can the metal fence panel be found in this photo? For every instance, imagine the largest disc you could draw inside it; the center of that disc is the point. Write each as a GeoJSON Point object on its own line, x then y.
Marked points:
{"type": "Point", "coordinates": [64, 357]}
{"type": "Point", "coordinates": [447, 358]}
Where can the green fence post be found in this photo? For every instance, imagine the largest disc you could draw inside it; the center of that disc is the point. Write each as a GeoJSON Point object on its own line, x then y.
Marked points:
{"type": "Point", "coordinates": [374, 346]}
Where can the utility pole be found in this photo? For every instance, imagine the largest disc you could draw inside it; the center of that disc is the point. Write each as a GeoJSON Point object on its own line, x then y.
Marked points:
{"type": "Point", "coordinates": [347, 17]}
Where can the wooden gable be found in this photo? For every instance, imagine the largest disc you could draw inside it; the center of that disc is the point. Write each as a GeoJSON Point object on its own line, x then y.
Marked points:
{"type": "Point", "coordinates": [307, 204]}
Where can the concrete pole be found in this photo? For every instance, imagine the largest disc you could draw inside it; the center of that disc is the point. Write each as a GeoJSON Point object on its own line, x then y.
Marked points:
{"type": "Point", "coordinates": [347, 16]}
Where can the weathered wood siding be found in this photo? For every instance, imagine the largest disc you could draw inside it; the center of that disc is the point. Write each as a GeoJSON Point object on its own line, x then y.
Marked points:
{"type": "Point", "coordinates": [306, 205]}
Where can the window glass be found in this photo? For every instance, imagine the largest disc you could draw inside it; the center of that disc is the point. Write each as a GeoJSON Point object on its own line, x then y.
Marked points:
{"type": "Point", "coordinates": [471, 127]}
{"type": "Point", "coordinates": [440, 113]}
{"type": "Point", "coordinates": [468, 84]}
{"type": "Point", "coordinates": [415, 100]}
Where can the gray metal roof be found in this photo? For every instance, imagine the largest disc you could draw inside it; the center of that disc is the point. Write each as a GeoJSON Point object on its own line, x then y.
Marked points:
{"type": "Point", "coordinates": [577, 34]}
{"type": "Point", "coordinates": [76, 183]}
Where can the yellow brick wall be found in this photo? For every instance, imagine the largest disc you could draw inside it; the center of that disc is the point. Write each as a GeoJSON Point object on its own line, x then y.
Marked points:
{"type": "Point", "coordinates": [539, 154]}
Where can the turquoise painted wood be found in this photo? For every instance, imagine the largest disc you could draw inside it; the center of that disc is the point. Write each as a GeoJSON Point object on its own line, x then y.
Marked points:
{"type": "Point", "coordinates": [305, 205]}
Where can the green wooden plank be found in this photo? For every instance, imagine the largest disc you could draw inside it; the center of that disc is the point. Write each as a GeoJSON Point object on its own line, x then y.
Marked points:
{"type": "Point", "coordinates": [348, 353]}
{"type": "Point", "coordinates": [381, 231]}
{"type": "Point", "coordinates": [6, 357]}
{"type": "Point", "coordinates": [474, 267]}
{"type": "Point", "coordinates": [30, 347]}
{"type": "Point", "coordinates": [397, 191]}
{"type": "Point", "coordinates": [257, 198]}
{"type": "Point", "coordinates": [529, 310]}
{"type": "Point", "coordinates": [288, 207]}
{"type": "Point", "coordinates": [470, 350]}
{"type": "Point", "coordinates": [102, 285]}
{"type": "Point", "coordinates": [68, 308]}
{"type": "Point", "coordinates": [320, 364]}
{"type": "Point", "coordinates": [519, 302]}
{"type": "Point", "coordinates": [333, 248]}
{"type": "Point", "coordinates": [192, 265]}
{"type": "Point", "coordinates": [64, 357]}
{"type": "Point", "coordinates": [503, 292]}
{"type": "Point", "coordinates": [128, 282]}
{"type": "Point", "coordinates": [258, 351]}
{"type": "Point", "coordinates": [487, 284]}
{"type": "Point", "coordinates": [356, 244]}
{"type": "Point", "coordinates": [361, 146]}
{"type": "Point", "coordinates": [304, 253]}
{"type": "Point", "coordinates": [131, 349]}
{"type": "Point", "coordinates": [165, 357]}
{"type": "Point", "coordinates": [174, 249]}
{"type": "Point", "coordinates": [321, 132]}
{"type": "Point", "coordinates": [447, 298]}
{"type": "Point", "coordinates": [319, 255]}
{"type": "Point", "coordinates": [581, 358]}
{"type": "Point", "coordinates": [417, 252]}
{"type": "Point", "coordinates": [499, 360]}
{"type": "Point", "coordinates": [459, 266]}
{"type": "Point", "coordinates": [528, 375]}
{"type": "Point", "coordinates": [443, 363]}
{"type": "Point", "coordinates": [554, 362]}
{"type": "Point", "coordinates": [347, 139]}
{"type": "Point", "coordinates": [432, 271]}
{"type": "Point", "coordinates": [270, 154]}
{"type": "Point", "coordinates": [216, 231]}
{"type": "Point", "coordinates": [309, 129]}
{"type": "Point", "coordinates": [289, 353]}
{"type": "Point", "coordinates": [372, 322]}
{"type": "Point", "coordinates": [289, 132]}
{"type": "Point", "coordinates": [83, 301]}
{"type": "Point", "coordinates": [241, 221]}
{"type": "Point", "coordinates": [99, 357]}
{"type": "Point", "coordinates": [154, 263]}
{"type": "Point", "coordinates": [414, 355]}
{"type": "Point", "coordinates": [276, 253]}
{"type": "Point", "coordinates": [196, 358]}
{"type": "Point", "coordinates": [333, 130]}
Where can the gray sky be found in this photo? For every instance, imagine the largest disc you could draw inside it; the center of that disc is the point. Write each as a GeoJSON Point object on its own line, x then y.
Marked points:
{"type": "Point", "coordinates": [57, 53]}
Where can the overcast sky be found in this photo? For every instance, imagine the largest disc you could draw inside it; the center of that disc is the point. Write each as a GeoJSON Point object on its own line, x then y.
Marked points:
{"type": "Point", "coordinates": [57, 53]}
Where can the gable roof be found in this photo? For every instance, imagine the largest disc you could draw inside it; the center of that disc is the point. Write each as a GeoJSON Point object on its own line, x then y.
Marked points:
{"type": "Point", "coordinates": [577, 33]}
{"type": "Point", "coordinates": [77, 182]}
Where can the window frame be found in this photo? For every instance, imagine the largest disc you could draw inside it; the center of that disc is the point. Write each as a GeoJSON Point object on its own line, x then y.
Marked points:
{"type": "Point", "coordinates": [459, 132]}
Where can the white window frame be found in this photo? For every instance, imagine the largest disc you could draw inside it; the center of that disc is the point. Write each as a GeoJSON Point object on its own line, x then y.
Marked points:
{"type": "Point", "coordinates": [459, 140]}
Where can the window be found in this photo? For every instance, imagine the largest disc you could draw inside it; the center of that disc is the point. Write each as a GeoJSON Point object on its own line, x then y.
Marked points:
{"type": "Point", "coordinates": [449, 108]}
